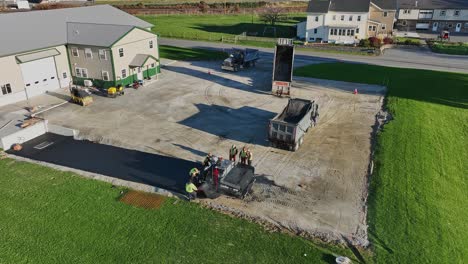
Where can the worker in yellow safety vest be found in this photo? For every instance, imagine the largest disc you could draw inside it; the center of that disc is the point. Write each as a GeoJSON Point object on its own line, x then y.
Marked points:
{"type": "Point", "coordinates": [194, 173]}
{"type": "Point", "coordinates": [233, 153]}
{"type": "Point", "coordinates": [191, 190]}
{"type": "Point", "coordinates": [249, 157]}
{"type": "Point", "coordinates": [243, 156]}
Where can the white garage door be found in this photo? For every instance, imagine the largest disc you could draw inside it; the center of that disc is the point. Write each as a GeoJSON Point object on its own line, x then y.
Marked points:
{"type": "Point", "coordinates": [40, 76]}
{"type": "Point", "coordinates": [422, 26]}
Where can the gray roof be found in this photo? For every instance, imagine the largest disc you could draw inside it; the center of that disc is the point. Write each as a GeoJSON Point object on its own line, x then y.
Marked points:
{"type": "Point", "coordinates": [26, 31]}
{"type": "Point", "coordinates": [323, 6]}
{"type": "Point", "coordinates": [139, 60]}
{"type": "Point", "coordinates": [433, 4]}
{"type": "Point", "coordinates": [95, 34]}
{"type": "Point", "coordinates": [386, 4]}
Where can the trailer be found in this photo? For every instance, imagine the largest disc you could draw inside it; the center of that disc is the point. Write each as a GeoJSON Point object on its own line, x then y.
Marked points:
{"type": "Point", "coordinates": [288, 128]}
{"type": "Point", "coordinates": [233, 180]}
{"type": "Point", "coordinates": [240, 58]}
{"type": "Point", "coordinates": [283, 67]}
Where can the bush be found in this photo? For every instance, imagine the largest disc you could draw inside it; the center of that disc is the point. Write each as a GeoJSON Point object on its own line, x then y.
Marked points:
{"type": "Point", "coordinates": [364, 43]}
{"type": "Point", "coordinates": [387, 41]}
{"type": "Point", "coordinates": [375, 42]}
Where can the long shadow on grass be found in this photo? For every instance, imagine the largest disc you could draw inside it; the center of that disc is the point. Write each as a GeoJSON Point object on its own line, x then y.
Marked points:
{"type": "Point", "coordinates": [259, 30]}
{"type": "Point", "coordinates": [245, 124]}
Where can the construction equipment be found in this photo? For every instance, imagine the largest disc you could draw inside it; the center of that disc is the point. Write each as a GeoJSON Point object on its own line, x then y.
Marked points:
{"type": "Point", "coordinates": [113, 92]}
{"type": "Point", "coordinates": [81, 96]}
{"type": "Point", "coordinates": [240, 58]}
{"type": "Point", "coordinates": [283, 67]}
{"type": "Point", "coordinates": [287, 129]}
{"type": "Point", "coordinates": [444, 35]}
{"type": "Point", "coordinates": [233, 180]}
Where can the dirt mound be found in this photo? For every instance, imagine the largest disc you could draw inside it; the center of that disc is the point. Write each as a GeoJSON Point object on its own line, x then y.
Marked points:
{"type": "Point", "coordinates": [143, 200]}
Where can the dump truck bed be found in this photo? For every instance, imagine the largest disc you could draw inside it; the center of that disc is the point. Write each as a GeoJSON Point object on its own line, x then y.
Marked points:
{"type": "Point", "coordinates": [295, 111]}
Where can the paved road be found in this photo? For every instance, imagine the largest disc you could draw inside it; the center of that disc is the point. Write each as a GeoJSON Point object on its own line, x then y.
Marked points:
{"type": "Point", "coordinates": [165, 172]}
{"type": "Point", "coordinates": [416, 59]}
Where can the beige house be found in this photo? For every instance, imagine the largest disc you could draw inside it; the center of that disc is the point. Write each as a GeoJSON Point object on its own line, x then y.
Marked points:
{"type": "Point", "coordinates": [98, 43]}
{"type": "Point", "coordinates": [381, 18]}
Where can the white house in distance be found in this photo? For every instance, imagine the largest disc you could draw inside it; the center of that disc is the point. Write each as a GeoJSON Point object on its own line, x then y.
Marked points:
{"type": "Point", "coordinates": [48, 50]}
{"type": "Point", "coordinates": [346, 21]}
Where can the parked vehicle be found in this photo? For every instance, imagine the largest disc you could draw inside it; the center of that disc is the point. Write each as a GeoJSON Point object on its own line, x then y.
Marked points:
{"type": "Point", "coordinates": [240, 58]}
{"type": "Point", "coordinates": [283, 67]}
{"type": "Point", "coordinates": [233, 180]}
{"type": "Point", "coordinates": [287, 129]}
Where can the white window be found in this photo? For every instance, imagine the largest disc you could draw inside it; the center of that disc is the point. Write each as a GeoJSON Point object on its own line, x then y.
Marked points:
{"type": "Point", "coordinates": [78, 72]}
{"type": "Point", "coordinates": [121, 52]}
{"type": "Point", "coordinates": [88, 53]}
{"type": "Point", "coordinates": [84, 73]}
{"type": "Point", "coordinates": [105, 76]}
{"type": "Point", "coordinates": [406, 11]}
{"type": "Point", "coordinates": [443, 12]}
{"type": "Point", "coordinates": [404, 23]}
{"type": "Point", "coordinates": [334, 17]}
{"type": "Point", "coordinates": [6, 89]}
{"type": "Point", "coordinates": [152, 65]}
{"type": "Point", "coordinates": [315, 31]}
{"type": "Point", "coordinates": [456, 13]}
{"type": "Point", "coordinates": [316, 19]}
{"type": "Point", "coordinates": [102, 54]}
{"type": "Point", "coordinates": [358, 18]}
{"type": "Point", "coordinates": [75, 52]}
{"type": "Point", "coordinates": [384, 27]}
{"type": "Point", "coordinates": [342, 18]}
{"type": "Point", "coordinates": [357, 30]}
{"type": "Point", "coordinates": [352, 32]}
{"type": "Point", "coordinates": [64, 75]}
{"type": "Point", "coordinates": [450, 25]}
{"type": "Point", "coordinates": [350, 18]}
{"type": "Point", "coordinates": [385, 14]}
{"type": "Point", "coordinates": [151, 44]}
{"type": "Point", "coordinates": [124, 73]}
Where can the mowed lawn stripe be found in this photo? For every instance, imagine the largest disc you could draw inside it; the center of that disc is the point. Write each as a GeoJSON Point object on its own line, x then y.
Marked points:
{"type": "Point", "coordinates": [418, 193]}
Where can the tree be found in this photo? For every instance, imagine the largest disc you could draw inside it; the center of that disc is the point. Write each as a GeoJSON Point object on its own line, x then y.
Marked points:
{"type": "Point", "coordinates": [272, 15]}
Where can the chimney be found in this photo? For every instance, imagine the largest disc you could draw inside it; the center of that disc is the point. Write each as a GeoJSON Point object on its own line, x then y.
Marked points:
{"type": "Point", "coordinates": [416, 3]}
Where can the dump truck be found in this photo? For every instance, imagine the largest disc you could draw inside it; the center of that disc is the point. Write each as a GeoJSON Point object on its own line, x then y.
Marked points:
{"type": "Point", "coordinates": [283, 67]}
{"type": "Point", "coordinates": [240, 58]}
{"type": "Point", "coordinates": [233, 180]}
{"type": "Point", "coordinates": [288, 128]}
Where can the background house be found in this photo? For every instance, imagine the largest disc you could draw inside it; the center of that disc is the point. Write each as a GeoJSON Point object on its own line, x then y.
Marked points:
{"type": "Point", "coordinates": [38, 54]}
{"type": "Point", "coordinates": [344, 21]}
{"type": "Point", "coordinates": [433, 15]}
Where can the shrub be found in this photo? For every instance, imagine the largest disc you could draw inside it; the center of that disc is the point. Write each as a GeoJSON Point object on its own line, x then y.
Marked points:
{"type": "Point", "coordinates": [364, 43]}
{"type": "Point", "coordinates": [387, 40]}
{"type": "Point", "coordinates": [375, 42]}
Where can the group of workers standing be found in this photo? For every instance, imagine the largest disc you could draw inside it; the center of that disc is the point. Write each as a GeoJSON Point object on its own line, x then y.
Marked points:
{"type": "Point", "coordinates": [245, 156]}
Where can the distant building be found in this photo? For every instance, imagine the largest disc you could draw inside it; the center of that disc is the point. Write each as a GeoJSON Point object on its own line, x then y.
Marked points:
{"type": "Point", "coordinates": [433, 15]}
{"type": "Point", "coordinates": [48, 50]}
{"type": "Point", "coordinates": [346, 21]}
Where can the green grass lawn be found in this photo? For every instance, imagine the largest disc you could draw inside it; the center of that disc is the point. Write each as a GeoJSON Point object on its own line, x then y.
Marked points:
{"type": "Point", "coordinates": [450, 48]}
{"type": "Point", "coordinates": [48, 216]}
{"type": "Point", "coordinates": [408, 41]}
{"type": "Point", "coordinates": [214, 27]}
{"type": "Point", "coordinates": [177, 53]}
{"type": "Point", "coordinates": [418, 194]}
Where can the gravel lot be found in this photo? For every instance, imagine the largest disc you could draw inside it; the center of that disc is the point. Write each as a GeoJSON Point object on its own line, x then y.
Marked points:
{"type": "Point", "coordinates": [195, 108]}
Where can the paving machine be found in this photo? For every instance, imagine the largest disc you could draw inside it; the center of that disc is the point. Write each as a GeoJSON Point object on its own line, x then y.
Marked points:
{"type": "Point", "coordinates": [232, 179]}
{"type": "Point", "coordinates": [240, 58]}
{"type": "Point", "coordinates": [81, 96]}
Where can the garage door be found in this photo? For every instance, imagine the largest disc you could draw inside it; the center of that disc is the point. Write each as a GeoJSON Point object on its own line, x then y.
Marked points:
{"type": "Point", "coordinates": [40, 76]}
{"type": "Point", "coordinates": [422, 26]}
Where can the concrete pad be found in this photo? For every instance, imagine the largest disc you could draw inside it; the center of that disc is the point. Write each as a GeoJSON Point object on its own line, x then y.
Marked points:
{"type": "Point", "coordinates": [196, 108]}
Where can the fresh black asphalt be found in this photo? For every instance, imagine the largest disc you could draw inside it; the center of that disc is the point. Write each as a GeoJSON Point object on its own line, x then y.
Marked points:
{"type": "Point", "coordinates": [152, 169]}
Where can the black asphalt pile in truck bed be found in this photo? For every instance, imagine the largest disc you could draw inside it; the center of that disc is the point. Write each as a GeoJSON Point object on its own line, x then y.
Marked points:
{"type": "Point", "coordinates": [295, 111]}
{"type": "Point", "coordinates": [161, 171]}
